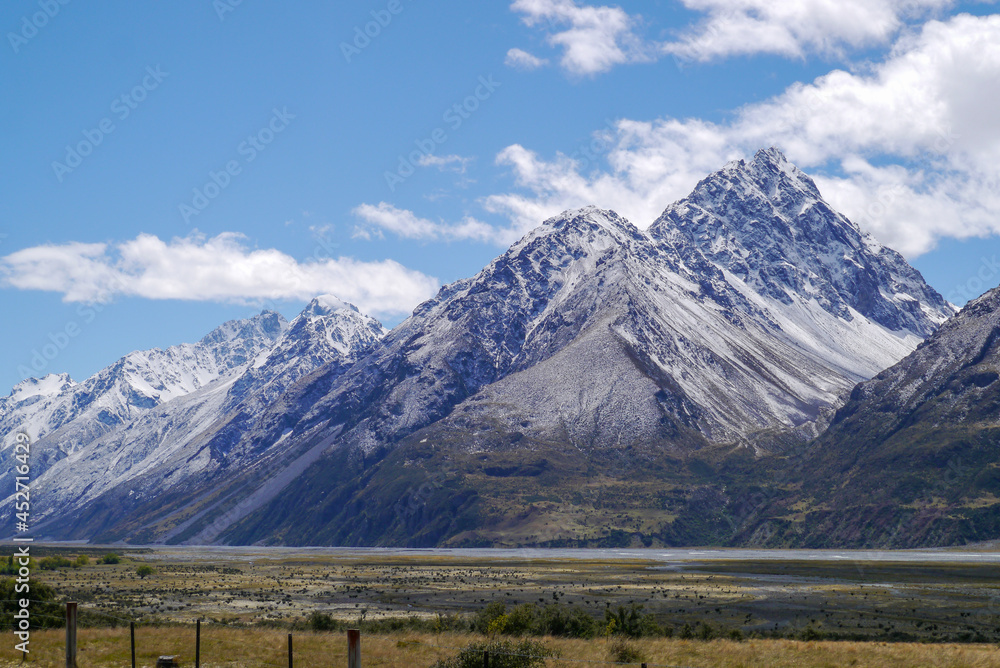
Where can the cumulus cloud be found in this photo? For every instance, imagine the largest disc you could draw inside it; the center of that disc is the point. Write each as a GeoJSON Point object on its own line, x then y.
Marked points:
{"type": "Point", "coordinates": [522, 60]}
{"type": "Point", "coordinates": [795, 28]}
{"type": "Point", "coordinates": [220, 269]}
{"type": "Point", "coordinates": [406, 224]}
{"type": "Point", "coordinates": [592, 39]}
{"type": "Point", "coordinates": [596, 38]}
{"type": "Point", "coordinates": [910, 147]}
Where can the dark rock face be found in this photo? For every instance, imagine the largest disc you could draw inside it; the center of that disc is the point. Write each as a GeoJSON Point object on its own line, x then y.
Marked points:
{"type": "Point", "coordinates": [766, 223]}
{"type": "Point", "coordinates": [911, 459]}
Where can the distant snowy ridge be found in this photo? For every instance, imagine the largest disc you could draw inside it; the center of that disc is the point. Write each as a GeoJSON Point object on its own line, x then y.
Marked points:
{"type": "Point", "coordinates": [134, 384]}
{"type": "Point", "coordinates": [148, 407]}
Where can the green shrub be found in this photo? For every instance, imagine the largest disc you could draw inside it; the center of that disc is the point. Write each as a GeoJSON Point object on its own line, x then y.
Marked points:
{"type": "Point", "coordinates": [630, 621]}
{"type": "Point", "coordinates": [503, 654]}
{"type": "Point", "coordinates": [81, 560]}
{"type": "Point", "coordinates": [623, 650]}
{"type": "Point", "coordinates": [110, 558]}
{"type": "Point", "coordinates": [521, 620]}
{"type": "Point", "coordinates": [320, 621]}
{"type": "Point", "coordinates": [570, 621]}
{"type": "Point", "coordinates": [486, 620]}
{"type": "Point", "coordinates": [565, 621]}
{"type": "Point", "coordinates": [11, 567]}
{"type": "Point", "coordinates": [144, 570]}
{"type": "Point", "coordinates": [45, 611]}
{"type": "Point", "coordinates": [54, 563]}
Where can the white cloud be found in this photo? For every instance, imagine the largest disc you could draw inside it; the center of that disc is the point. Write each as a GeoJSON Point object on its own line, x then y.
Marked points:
{"type": "Point", "coordinates": [220, 269]}
{"type": "Point", "coordinates": [406, 224]}
{"type": "Point", "coordinates": [593, 39]}
{"type": "Point", "coordinates": [794, 28]}
{"type": "Point", "coordinates": [454, 163]}
{"type": "Point", "coordinates": [919, 130]}
{"type": "Point", "coordinates": [522, 60]}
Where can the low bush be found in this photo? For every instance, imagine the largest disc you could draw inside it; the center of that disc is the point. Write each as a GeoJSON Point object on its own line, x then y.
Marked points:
{"type": "Point", "coordinates": [503, 654]}
{"type": "Point", "coordinates": [622, 650]}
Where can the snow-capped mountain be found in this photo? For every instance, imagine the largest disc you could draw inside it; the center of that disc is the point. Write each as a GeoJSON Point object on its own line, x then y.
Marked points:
{"type": "Point", "coordinates": [596, 335]}
{"type": "Point", "coordinates": [690, 316]}
{"type": "Point", "coordinates": [766, 226]}
{"type": "Point", "coordinates": [154, 406]}
{"type": "Point", "coordinates": [328, 330]}
{"type": "Point", "coordinates": [741, 317]}
{"type": "Point", "coordinates": [133, 385]}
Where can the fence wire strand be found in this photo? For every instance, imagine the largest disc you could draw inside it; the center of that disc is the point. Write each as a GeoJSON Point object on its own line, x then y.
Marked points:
{"type": "Point", "coordinates": [232, 643]}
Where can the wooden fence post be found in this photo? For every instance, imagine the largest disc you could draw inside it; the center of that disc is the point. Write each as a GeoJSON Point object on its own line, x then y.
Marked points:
{"type": "Point", "coordinates": [131, 628]}
{"type": "Point", "coordinates": [289, 650]}
{"type": "Point", "coordinates": [353, 648]}
{"type": "Point", "coordinates": [197, 643]}
{"type": "Point", "coordinates": [71, 635]}
{"type": "Point", "coordinates": [486, 658]}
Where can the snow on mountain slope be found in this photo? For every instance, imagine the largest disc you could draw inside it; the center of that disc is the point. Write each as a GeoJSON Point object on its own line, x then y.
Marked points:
{"type": "Point", "coordinates": [695, 346]}
{"type": "Point", "coordinates": [250, 361]}
{"type": "Point", "coordinates": [911, 460]}
{"type": "Point", "coordinates": [727, 355]}
{"type": "Point", "coordinates": [134, 384]}
{"type": "Point", "coordinates": [328, 329]}
{"type": "Point", "coordinates": [766, 224]}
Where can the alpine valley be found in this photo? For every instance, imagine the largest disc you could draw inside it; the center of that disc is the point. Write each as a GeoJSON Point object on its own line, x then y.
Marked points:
{"type": "Point", "coordinates": [751, 369]}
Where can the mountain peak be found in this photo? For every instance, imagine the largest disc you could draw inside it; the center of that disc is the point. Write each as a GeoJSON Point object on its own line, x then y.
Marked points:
{"type": "Point", "coordinates": [766, 224]}
{"type": "Point", "coordinates": [772, 156]}
{"type": "Point", "coordinates": [589, 225]}
{"type": "Point", "coordinates": [327, 305]}
{"type": "Point", "coordinates": [266, 324]}
{"type": "Point", "coordinates": [49, 385]}
{"type": "Point", "coordinates": [587, 217]}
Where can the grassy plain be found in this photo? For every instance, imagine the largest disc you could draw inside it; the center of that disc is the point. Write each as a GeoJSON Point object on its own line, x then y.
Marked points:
{"type": "Point", "coordinates": [855, 613]}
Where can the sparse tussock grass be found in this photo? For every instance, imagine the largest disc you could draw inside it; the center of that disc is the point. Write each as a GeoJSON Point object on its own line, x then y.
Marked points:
{"type": "Point", "coordinates": [252, 648]}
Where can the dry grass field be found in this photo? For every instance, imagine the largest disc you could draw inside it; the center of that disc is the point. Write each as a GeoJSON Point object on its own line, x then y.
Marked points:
{"type": "Point", "coordinates": [241, 648]}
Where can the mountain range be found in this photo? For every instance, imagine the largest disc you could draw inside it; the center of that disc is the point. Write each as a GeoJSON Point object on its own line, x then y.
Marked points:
{"type": "Point", "coordinates": [696, 382]}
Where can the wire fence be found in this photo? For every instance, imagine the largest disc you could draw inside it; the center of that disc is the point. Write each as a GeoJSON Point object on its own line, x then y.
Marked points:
{"type": "Point", "coordinates": [227, 650]}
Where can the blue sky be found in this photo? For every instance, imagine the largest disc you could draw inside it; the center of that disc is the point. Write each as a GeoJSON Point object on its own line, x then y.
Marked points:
{"type": "Point", "coordinates": [169, 166]}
